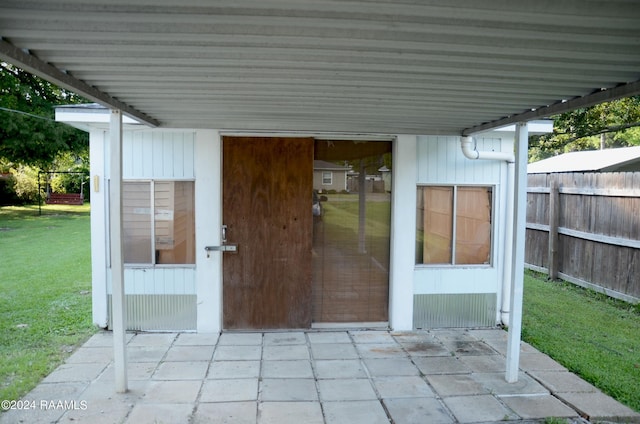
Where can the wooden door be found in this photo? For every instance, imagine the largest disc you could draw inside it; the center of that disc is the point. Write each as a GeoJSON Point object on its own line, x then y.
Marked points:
{"type": "Point", "coordinates": [267, 198]}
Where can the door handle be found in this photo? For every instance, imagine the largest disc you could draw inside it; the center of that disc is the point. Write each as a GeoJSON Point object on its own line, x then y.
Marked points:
{"type": "Point", "coordinates": [224, 247]}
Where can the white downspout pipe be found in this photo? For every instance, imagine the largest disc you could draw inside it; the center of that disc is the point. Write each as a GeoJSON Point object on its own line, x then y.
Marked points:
{"type": "Point", "coordinates": [469, 150]}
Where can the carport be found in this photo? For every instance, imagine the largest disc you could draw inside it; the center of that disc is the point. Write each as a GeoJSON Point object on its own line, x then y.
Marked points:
{"type": "Point", "coordinates": [358, 67]}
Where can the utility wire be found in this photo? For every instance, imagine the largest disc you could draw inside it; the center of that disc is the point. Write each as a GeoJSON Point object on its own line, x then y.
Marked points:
{"type": "Point", "coordinates": [28, 114]}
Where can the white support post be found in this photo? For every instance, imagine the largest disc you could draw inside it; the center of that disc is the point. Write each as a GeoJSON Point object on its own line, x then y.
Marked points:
{"type": "Point", "coordinates": [517, 268]}
{"type": "Point", "coordinates": [118, 313]}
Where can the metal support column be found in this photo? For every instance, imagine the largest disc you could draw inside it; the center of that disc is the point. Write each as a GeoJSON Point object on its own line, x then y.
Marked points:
{"type": "Point", "coordinates": [118, 317]}
{"type": "Point", "coordinates": [517, 268]}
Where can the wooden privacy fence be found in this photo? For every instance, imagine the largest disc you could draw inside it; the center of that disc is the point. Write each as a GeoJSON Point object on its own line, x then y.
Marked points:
{"type": "Point", "coordinates": [585, 229]}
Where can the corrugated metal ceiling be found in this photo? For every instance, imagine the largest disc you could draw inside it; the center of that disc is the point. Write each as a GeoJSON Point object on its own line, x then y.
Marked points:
{"type": "Point", "coordinates": [420, 67]}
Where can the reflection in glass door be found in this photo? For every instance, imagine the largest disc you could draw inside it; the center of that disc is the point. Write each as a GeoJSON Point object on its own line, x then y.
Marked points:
{"type": "Point", "coordinates": [352, 216]}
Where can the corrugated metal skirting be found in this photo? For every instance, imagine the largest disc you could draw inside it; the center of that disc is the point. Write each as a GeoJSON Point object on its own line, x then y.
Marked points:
{"type": "Point", "coordinates": [148, 312]}
{"type": "Point", "coordinates": [454, 310]}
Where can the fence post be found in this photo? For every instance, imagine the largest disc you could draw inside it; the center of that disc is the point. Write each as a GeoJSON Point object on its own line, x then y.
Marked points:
{"type": "Point", "coordinates": [554, 218]}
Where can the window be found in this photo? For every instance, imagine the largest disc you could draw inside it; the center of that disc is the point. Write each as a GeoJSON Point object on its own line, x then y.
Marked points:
{"type": "Point", "coordinates": [454, 225]}
{"type": "Point", "coordinates": [158, 222]}
{"type": "Point", "coordinates": [327, 178]}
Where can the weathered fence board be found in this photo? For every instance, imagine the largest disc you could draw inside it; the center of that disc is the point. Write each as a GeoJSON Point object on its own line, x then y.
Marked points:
{"type": "Point", "coordinates": [587, 230]}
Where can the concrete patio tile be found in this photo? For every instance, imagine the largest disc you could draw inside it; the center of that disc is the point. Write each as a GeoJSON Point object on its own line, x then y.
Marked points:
{"type": "Point", "coordinates": [432, 348]}
{"type": "Point", "coordinates": [486, 363]}
{"type": "Point", "coordinates": [238, 353]}
{"type": "Point", "coordinates": [197, 339]}
{"type": "Point", "coordinates": [240, 339]}
{"type": "Point", "coordinates": [98, 391]}
{"type": "Point", "coordinates": [380, 350]}
{"type": "Point", "coordinates": [390, 366]}
{"type": "Point", "coordinates": [31, 416]}
{"type": "Point", "coordinates": [91, 355]}
{"type": "Point", "coordinates": [453, 335]}
{"type": "Point", "coordinates": [66, 373]}
{"type": "Point", "coordinates": [225, 413]}
{"type": "Point", "coordinates": [372, 337]}
{"type": "Point", "coordinates": [242, 389]}
{"type": "Point", "coordinates": [287, 369]}
{"type": "Point", "coordinates": [341, 368]}
{"type": "Point", "coordinates": [284, 338]}
{"type": "Point", "coordinates": [599, 407]}
{"type": "Point", "coordinates": [290, 412]}
{"type": "Point", "coordinates": [346, 389]}
{"type": "Point", "coordinates": [479, 408]}
{"type": "Point", "coordinates": [106, 411]}
{"type": "Point", "coordinates": [402, 387]}
{"type": "Point", "coordinates": [490, 334]}
{"type": "Point", "coordinates": [441, 365]}
{"type": "Point", "coordinates": [497, 384]}
{"type": "Point", "coordinates": [173, 391]}
{"type": "Point", "coordinates": [153, 339]}
{"type": "Point", "coordinates": [562, 381]}
{"type": "Point", "coordinates": [538, 407]}
{"type": "Point", "coordinates": [329, 337]}
{"type": "Point", "coordinates": [288, 389]}
{"type": "Point", "coordinates": [331, 351]}
{"type": "Point", "coordinates": [414, 337]}
{"type": "Point", "coordinates": [539, 362]}
{"type": "Point", "coordinates": [104, 339]}
{"type": "Point", "coordinates": [456, 385]}
{"type": "Point", "coordinates": [285, 352]}
{"type": "Point", "coordinates": [163, 413]}
{"type": "Point", "coordinates": [355, 412]}
{"type": "Point", "coordinates": [501, 347]}
{"type": "Point", "coordinates": [189, 353]}
{"type": "Point", "coordinates": [418, 411]}
{"type": "Point", "coordinates": [471, 348]}
{"type": "Point", "coordinates": [234, 369]}
{"type": "Point", "coordinates": [146, 353]}
{"type": "Point", "coordinates": [135, 371]}
{"type": "Point", "coordinates": [188, 370]}
{"type": "Point", "coordinates": [44, 393]}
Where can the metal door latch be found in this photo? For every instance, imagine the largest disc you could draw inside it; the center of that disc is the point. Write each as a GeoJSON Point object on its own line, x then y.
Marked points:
{"type": "Point", "coordinates": [223, 248]}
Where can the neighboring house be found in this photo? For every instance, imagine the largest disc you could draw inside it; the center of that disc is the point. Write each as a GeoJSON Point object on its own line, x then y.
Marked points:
{"type": "Point", "coordinates": [181, 185]}
{"type": "Point", "coordinates": [329, 176]}
{"type": "Point", "coordinates": [623, 159]}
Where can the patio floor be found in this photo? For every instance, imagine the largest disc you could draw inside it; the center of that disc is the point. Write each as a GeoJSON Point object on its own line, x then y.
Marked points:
{"type": "Point", "coordinates": [437, 376]}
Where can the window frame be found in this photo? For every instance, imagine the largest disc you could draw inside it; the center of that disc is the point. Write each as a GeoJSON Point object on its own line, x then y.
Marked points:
{"type": "Point", "coordinates": [153, 263]}
{"type": "Point", "coordinates": [492, 231]}
{"type": "Point", "coordinates": [330, 173]}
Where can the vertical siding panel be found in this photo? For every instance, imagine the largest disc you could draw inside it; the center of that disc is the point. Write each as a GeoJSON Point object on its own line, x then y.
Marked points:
{"type": "Point", "coordinates": [127, 156]}
{"type": "Point", "coordinates": [158, 156]}
{"type": "Point", "coordinates": [147, 154]}
{"type": "Point", "coordinates": [178, 156]}
{"type": "Point", "coordinates": [189, 155]}
{"type": "Point", "coordinates": [138, 156]}
{"type": "Point", "coordinates": [167, 155]}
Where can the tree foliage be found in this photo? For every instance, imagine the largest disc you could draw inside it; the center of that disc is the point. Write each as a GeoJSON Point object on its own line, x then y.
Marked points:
{"type": "Point", "coordinates": [618, 122]}
{"type": "Point", "coordinates": [29, 134]}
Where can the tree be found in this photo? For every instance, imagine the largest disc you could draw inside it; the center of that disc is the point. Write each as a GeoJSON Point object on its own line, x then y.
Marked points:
{"type": "Point", "coordinates": [29, 134]}
{"type": "Point", "coordinates": [609, 124]}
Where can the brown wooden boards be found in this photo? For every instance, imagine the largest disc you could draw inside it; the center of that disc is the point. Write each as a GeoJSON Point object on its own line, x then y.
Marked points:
{"type": "Point", "coordinates": [267, 198]}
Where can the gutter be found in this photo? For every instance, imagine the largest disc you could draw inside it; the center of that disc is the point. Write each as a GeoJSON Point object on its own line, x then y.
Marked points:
{"type": "Point", "coordinates": [469, 151]}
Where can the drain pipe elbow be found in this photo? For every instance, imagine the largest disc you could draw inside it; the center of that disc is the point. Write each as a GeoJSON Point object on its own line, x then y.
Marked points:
{"type": "Point", "coordinates": [466, 143]}
{"type": "Point", "coordinates": [469, 150]}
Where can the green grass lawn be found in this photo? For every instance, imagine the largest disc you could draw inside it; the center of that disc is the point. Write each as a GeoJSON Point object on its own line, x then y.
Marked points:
{"type": "Point", "coordinates": [593, 336]}
{"type": "Point", "coordinates": [45, 283]}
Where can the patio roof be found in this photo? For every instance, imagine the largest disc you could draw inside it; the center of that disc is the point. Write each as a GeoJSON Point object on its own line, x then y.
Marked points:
{"type": "Point", "coordinates": [431, 67]}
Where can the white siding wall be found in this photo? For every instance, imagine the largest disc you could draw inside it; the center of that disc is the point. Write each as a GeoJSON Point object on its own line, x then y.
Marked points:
{"type": "Point", "coordinates": [158, 154]}
{"type": "Point", "coordinates": [440, 161]}
{"type": "Point", "coordinates": [151, 154]}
